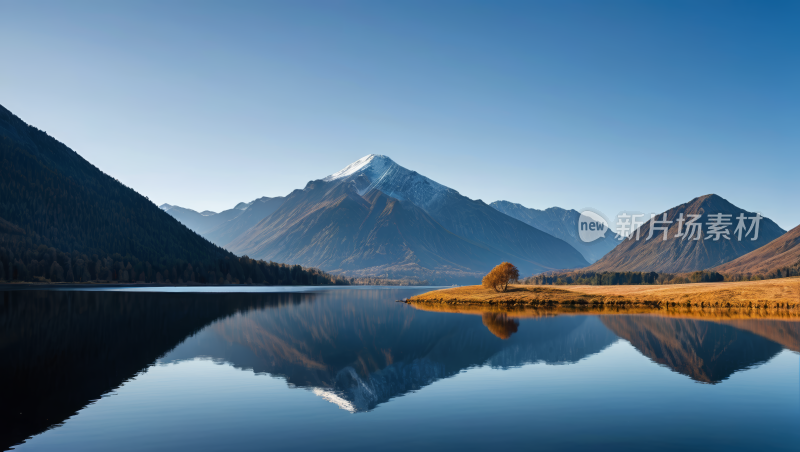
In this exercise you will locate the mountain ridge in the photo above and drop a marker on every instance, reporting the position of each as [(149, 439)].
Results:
[(560, 223), (202, 222), (252, 214)]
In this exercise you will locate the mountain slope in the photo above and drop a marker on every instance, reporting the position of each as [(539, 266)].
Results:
[(329, 225), (375, 216), (779, 253), (49, 190), (525, 245), (560, 223), (471, 219), (676, 255), (253, 213), (65, 220)]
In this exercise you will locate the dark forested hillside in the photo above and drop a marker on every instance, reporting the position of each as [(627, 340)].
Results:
[(63, 219)]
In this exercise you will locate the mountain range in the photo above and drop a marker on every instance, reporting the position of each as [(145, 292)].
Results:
[(62, 219), (200, 222), (375, 217), (221, 228)]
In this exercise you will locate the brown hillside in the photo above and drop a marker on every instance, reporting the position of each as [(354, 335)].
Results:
[(676, 255), (779, 253)]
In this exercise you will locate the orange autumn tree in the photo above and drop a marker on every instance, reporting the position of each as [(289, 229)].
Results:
[(500, 276)]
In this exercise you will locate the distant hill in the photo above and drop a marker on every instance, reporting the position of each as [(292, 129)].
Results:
[(202, 222), (375, 217), (560, 223), (65, 220), (779, 253), (221, 228), (253, 212), (676, 255)]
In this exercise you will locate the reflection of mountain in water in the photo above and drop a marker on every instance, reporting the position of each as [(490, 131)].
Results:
[(60, 351), (589, 338), (359, 353), (708, 352), (783, 332)]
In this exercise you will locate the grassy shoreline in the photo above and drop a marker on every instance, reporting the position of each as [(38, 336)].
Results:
[(767, 294)]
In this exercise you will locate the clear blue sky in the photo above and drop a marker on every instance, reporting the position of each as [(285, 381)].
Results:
[(636, 105)]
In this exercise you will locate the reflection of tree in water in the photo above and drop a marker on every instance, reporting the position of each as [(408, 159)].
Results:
[(500, 324)]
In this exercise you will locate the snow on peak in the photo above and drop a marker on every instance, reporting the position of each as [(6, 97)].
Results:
[(369, 161), (334, 398), (392, 179)]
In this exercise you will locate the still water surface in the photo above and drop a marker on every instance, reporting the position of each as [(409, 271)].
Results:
[(346, 368)]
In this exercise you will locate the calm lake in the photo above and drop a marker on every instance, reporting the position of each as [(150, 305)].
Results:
[(349, 368)]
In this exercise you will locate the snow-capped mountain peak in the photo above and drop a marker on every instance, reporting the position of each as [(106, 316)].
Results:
[(369, 163), (384, 174)]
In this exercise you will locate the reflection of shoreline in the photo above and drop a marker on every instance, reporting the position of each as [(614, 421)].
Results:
[(674, 312), (780, 326)]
